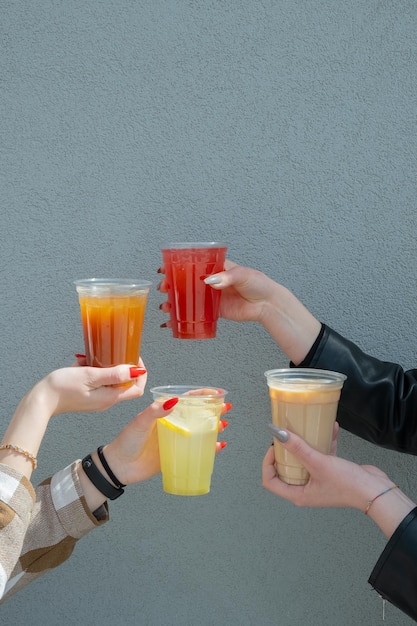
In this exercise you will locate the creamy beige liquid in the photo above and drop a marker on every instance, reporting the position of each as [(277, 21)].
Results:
[(310, 413)]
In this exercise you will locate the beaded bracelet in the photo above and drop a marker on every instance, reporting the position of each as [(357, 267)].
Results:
[(370, 502), (18, 450)]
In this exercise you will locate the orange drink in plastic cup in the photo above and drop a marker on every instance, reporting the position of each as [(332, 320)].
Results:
[(112, 315)]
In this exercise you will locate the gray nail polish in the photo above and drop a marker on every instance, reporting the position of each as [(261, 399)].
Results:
[(279, 433), (213, 280)]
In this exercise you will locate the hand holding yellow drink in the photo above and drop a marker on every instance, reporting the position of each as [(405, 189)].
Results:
[(187, 437)]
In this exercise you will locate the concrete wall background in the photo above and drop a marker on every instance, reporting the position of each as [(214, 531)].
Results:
[(287, 129)]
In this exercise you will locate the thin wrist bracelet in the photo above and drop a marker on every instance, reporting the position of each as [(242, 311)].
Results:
[(370, 502), (30, 457), (107, 468), (107, 489)]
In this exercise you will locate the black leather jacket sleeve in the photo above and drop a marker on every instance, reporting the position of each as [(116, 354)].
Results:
[(379, 404), (395, 573), (378, 400)]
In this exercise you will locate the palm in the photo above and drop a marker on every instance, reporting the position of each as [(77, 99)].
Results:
[(243, 300)]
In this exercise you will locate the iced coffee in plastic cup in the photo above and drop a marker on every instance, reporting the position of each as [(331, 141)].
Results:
[(303, 401)]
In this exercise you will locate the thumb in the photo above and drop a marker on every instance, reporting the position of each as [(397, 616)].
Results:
[(296, 446), (221, 280)]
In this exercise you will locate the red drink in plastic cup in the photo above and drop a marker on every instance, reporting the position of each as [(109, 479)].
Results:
[(194, 306)]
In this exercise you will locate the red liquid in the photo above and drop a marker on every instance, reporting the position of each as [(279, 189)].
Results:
[(194, 305)]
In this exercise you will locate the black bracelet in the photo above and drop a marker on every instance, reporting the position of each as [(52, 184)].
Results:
[(98, 480), (107, 468)]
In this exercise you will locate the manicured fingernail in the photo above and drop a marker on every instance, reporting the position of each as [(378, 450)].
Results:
[(137, 371), (213, 280), (79, 356), (159, 270), (228, 406), (279, 433), (224, 423), (168, 404), (164, 325), (223, 444)]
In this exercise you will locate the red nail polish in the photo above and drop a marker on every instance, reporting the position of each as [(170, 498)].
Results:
[(223, 444), (225, 423), (168, 404), (137, 371), (228, 406), (79, 356)]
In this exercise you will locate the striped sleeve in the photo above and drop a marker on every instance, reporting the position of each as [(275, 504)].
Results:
[(59, 517), (16, 503)]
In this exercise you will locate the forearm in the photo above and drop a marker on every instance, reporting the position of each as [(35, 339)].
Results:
[(289, 323), (26, 430)]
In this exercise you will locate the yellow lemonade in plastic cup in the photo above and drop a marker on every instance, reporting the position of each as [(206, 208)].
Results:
[(187, 437)]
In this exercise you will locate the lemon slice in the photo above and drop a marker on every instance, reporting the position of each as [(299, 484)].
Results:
[(175, 427)]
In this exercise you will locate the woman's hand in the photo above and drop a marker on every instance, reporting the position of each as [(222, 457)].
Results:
[(335, 482), (249, 295), (133, 455), (245, 292), (70, 389), (87, 389)]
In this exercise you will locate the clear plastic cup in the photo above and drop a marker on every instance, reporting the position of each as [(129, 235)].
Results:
[(303, 401), (194, 306), (187, 437), (112, 315)]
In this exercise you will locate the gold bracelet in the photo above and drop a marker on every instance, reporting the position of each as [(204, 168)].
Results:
[(18, 450), (370, 502)]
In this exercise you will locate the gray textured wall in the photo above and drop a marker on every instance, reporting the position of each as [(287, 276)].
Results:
[(285, 128)]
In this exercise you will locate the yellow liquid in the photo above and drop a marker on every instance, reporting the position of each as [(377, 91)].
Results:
[(187, 445)]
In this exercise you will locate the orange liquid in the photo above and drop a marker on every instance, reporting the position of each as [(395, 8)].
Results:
[(112, 328)]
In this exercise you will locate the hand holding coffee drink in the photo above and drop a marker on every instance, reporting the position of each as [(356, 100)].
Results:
[(303, 401)]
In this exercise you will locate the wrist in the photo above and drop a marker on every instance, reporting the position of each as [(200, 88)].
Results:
[(389, 509), (93, 496), (118, 468), (40, 400), (25, 432), (290, 324)]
